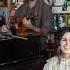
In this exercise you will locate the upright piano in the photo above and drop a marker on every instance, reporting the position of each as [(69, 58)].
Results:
[(14, 49)]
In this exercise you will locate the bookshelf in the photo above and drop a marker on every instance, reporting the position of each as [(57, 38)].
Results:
[(61, 14)]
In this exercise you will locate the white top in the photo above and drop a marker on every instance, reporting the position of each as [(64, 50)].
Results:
[(53, 64)]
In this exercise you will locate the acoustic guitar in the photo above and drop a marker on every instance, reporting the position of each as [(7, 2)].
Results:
[(21, 30)]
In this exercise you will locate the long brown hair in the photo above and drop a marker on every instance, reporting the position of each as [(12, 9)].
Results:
[(59, 35)]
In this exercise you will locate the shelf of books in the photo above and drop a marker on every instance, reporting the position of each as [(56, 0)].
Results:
[(61, 13)]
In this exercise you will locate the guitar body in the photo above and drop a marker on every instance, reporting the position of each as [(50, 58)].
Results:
[(21, 30)]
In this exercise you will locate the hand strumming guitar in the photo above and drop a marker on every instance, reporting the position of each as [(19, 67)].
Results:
[(28, 24)]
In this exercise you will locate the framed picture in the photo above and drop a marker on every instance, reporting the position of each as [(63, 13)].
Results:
[(68, 19), (3, 3), (59, 20), (4, 14)]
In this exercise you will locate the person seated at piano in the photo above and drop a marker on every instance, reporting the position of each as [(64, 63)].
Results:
[(41, 21), (35, 18)]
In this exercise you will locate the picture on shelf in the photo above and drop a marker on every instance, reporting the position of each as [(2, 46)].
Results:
[(59, 20), (3, 3), (68, 20)]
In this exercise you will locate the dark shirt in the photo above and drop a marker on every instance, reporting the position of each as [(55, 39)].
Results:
[(21, 10), (33, 13), (40, 15), (46, 17)]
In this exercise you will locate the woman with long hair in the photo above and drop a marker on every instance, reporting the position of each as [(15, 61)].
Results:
[(62, 60)]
